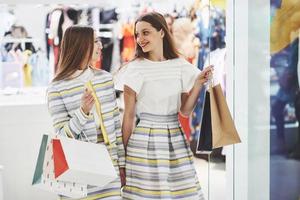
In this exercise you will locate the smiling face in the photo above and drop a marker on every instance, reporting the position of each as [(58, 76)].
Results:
[(97, 49), (147, 37)]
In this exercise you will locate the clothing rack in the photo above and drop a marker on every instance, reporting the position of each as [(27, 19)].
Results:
[(18, 40), (106, 30), (106, 26)]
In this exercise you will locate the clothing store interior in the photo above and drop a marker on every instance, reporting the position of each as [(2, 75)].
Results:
[(255, 55)]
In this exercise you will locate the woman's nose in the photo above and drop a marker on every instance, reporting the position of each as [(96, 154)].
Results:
[(140, 40)]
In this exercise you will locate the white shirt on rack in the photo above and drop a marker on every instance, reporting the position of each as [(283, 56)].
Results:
[(158, 85)]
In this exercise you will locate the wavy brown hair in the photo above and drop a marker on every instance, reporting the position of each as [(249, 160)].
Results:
[(159, 23), (76, 50)]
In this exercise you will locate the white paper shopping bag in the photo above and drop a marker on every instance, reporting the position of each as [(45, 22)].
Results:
[(82, 162), (44, 174)]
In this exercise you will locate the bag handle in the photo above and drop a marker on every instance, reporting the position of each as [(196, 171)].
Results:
[(66, 135), (210, 82), (89, 85)]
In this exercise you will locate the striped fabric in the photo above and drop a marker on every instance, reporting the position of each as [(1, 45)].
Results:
[(64, 98), (159, 162)]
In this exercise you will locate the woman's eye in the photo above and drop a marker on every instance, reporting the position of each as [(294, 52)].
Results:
[(146, 33)]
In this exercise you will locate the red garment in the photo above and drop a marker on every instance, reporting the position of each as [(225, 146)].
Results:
[(185, 124), (128, 42), (185, 121), (55, 52)]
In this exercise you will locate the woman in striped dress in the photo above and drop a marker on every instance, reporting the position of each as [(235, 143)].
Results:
[(157, 85), (72, 105)]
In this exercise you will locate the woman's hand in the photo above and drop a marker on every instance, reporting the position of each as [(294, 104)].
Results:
[(204, 76), (87, 101), (122, 176)]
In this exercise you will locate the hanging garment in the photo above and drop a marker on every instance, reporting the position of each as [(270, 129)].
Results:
[(107, 52), (128, 47)]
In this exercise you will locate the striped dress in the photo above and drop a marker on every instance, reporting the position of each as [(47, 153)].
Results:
[(64, 99), (159, 162)]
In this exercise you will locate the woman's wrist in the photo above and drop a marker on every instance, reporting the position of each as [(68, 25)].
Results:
[(84, 111), (198, 84)]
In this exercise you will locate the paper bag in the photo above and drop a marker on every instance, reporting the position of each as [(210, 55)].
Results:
[(217, 126)]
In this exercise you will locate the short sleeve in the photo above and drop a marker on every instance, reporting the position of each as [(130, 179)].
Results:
[(130, 77), (189, 74)]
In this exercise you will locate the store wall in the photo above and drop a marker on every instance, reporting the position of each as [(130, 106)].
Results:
[(22, 126)]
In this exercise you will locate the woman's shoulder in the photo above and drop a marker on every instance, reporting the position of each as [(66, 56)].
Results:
[(181, 61), (131, 66), (55, 85), (134, 64), (102, 74)]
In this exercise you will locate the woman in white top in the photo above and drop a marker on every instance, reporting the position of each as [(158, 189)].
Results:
[(157, 85), (72, 105)]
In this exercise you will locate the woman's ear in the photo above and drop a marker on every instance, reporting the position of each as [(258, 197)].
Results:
[(162, 33)]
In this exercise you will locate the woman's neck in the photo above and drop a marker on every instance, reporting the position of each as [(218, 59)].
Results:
[(157, 55)]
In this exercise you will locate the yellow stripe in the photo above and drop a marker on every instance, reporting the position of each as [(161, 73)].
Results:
[(175, 130), (53, 94), (99, 85), (108, 114), (163, 192), (147, 161), (76, 89), (98, 110), (63, 92)]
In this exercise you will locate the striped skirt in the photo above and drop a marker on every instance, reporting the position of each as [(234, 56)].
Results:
[(159, 161)]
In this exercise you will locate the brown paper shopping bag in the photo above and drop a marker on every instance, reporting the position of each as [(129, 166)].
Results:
[(217, 126)]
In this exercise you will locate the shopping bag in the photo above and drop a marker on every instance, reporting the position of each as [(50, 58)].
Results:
[(217, 126), (43, 177), (82, 162)]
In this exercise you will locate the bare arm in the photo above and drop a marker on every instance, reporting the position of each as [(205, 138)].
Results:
[(188, 100), (129, 114)]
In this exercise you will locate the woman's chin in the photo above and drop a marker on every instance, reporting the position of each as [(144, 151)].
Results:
[(146, 50)]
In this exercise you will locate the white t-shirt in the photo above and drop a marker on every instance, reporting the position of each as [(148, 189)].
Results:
[(158, 85)]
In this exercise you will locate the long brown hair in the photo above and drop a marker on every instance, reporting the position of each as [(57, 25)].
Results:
[(159, 23), (76, 48)]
